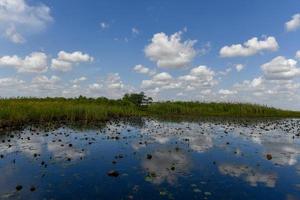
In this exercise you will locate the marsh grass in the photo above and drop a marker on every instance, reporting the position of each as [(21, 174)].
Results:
[(20, 111)]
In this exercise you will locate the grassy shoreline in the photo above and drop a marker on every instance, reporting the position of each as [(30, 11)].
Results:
[(19, 111)]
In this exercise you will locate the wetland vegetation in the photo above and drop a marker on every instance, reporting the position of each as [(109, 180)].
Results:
[(19, 111)]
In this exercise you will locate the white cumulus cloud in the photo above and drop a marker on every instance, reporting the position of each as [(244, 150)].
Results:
[(143, 70), (78, 80), (281, 68), (12, 34), (64, 61), (250, 47), (227, 92), (10, 81), (239, 67), (294, 23), (18, 17), (36, 62), (199, 79), (164, 76), (170, 51), (42, 85), (297, 55)]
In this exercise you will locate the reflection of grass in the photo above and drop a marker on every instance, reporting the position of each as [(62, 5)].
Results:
[(27, 110)]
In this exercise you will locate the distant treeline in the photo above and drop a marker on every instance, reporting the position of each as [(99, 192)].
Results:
[(24, 110)]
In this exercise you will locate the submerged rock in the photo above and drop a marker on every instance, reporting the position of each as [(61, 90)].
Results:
[(32, 189), (113, 173), (149, 156), (269, 156), (19, 187)]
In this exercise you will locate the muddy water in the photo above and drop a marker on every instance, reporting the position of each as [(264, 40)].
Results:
[(149, 159)]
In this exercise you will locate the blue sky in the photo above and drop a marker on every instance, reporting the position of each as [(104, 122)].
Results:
[(211, 50)]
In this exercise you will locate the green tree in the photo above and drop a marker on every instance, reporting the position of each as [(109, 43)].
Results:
[(138, 99)]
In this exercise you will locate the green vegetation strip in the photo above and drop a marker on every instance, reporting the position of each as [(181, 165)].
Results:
[(19, 111)]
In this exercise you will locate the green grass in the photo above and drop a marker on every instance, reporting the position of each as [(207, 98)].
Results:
[(21, 111)]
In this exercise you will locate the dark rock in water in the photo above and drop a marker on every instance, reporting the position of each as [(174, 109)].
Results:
[(70, 145), (172, 168), (113, 173), (269, 156), (1, 156), (32, 189), (149, 156), (120, 156), (19, 187)]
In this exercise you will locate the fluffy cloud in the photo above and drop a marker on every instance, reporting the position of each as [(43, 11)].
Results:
[(45, 80), (164, 76), (202, 71), (280, 68), (283, 93), (227, 92), (36, 62), (64, 61), (294, 23), (111, 86), (256, 82), (60, 65), (95, 87), (76, 56), (9, 81), (250, 47), (78, 80), (159, 80), (200, 79), (239, 67), (12, 87), (297, 55), (143, 70), (17, 16), (254, 86), (42, 85), (12, 34), (113, 81), (170, 51)]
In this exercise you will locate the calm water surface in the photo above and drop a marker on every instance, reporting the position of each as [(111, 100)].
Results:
[(149, 159)]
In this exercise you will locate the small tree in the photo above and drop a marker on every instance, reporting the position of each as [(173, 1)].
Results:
[(138, 99)]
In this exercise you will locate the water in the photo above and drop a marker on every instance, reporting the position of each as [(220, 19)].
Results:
[(149, 159)]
